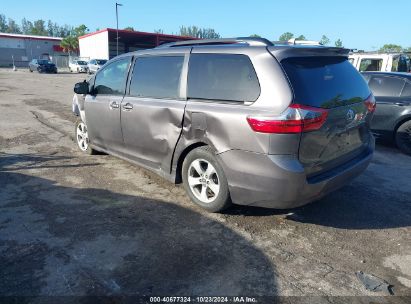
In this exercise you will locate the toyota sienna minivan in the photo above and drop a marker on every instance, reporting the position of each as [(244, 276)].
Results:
[(241, 121)]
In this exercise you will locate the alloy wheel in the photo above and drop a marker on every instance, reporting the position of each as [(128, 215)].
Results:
[(203, 180), (82, 136)]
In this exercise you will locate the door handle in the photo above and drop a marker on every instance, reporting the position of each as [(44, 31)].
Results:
[(128, 106), (114, 105), (400, 103)]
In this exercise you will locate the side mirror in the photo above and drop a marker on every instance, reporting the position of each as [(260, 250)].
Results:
[(81, 88)]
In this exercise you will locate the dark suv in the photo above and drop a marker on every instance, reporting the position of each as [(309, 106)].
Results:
[(235, 120), (42, 66)]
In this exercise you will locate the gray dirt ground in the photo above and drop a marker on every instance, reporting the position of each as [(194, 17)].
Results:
[(72, 224)]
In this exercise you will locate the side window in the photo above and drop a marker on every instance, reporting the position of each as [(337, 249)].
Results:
[(386, 86), (406, 92), (400, 64), (157, 77), (224, 77), (370, 65), (112, 79)]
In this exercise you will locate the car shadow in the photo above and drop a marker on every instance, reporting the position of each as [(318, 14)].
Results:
[(15, 162), (62, 240)]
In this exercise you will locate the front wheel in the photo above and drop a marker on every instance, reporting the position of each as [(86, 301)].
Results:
[(403, 137), (204, 180), (82, 138)]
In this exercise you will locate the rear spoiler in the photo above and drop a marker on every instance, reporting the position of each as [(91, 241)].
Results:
[(283, 52)]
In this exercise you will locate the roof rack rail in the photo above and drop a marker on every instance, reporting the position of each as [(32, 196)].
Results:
[(303, 42), (251, 41)]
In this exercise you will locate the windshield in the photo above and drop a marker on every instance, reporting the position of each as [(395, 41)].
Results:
[(81, 62), (44, 62), (101, 62)]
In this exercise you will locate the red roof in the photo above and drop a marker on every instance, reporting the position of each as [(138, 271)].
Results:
[(137, 33)]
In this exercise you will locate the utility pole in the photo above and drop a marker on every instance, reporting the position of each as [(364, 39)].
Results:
[(117, 5)]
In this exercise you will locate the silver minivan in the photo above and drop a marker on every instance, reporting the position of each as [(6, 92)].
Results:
[(241, 121)]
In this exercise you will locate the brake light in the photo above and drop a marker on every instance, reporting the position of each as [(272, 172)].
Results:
[(295, 119), (370, 103)]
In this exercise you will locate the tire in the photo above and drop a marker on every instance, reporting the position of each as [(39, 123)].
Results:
[(81, 137), (208, 186), (403, 137)]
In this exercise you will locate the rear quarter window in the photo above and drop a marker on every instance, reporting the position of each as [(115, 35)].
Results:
[(222, 77), (325, 82)]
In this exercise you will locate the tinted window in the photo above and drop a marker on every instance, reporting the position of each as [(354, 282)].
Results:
[(157, 76), (370, 65), (400, 64), (112, 79), (406, 92), (325, 81), (222, 77), (386, 86)]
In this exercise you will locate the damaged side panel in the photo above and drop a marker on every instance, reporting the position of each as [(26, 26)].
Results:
[(151, 130)]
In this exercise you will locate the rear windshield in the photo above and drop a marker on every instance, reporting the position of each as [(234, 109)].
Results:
[(101, 62), (325, 82)]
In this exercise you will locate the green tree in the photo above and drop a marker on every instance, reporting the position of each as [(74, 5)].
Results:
[(129, 28), (339, 43), (390, 48), (69, 44), (196, 32), (159, 31), (301, 37), (3, 23), (39, 28), (26, 26), (255, 36), (81, 30), (286, 36), (13, 27), (325, 40)]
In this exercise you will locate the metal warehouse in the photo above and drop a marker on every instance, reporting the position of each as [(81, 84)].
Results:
[(103, 44), (24, 48)]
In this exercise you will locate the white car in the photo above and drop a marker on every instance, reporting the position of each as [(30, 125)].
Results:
[(380, 62), (78, 66), (95, 64)]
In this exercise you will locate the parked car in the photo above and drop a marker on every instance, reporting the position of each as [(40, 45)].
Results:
[(235, 120), (42, 66), (79, 66), (383, 62), (392, 118), (95, 64)]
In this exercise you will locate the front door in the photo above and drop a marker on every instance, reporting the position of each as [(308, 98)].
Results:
[(152, 111), (102, 107)]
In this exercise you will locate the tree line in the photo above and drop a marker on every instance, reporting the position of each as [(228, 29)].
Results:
[(70, 34)]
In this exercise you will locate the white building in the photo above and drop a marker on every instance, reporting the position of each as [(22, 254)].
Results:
[(102, 44)]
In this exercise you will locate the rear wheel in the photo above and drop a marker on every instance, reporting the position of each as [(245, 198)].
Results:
[(204, 180), (82, 138), (403, 137)]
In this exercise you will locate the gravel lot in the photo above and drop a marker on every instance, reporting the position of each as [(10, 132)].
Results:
[(72, 224)]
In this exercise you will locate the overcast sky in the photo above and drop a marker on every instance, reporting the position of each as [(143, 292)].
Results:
[(362, 24)]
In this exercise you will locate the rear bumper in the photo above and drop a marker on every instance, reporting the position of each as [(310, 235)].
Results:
[(279, 181)]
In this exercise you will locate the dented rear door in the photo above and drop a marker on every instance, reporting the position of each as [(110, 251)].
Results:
[(152, 112)]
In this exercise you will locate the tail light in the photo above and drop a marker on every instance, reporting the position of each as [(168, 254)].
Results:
[(295, 119), (370, 103)]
